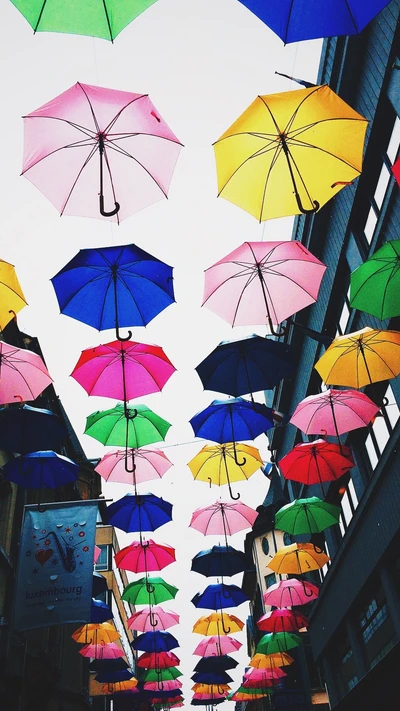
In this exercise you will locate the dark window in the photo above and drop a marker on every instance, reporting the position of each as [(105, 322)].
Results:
[(376, 630), (265, 545), (103, 561), (343, 665), (270, 580)]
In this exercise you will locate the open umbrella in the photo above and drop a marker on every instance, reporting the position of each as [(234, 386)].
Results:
[(158, 660), (148, 464), (122, 133), (104, 19), (23, 374), (12, 299), (112, 287), (169, 674), (143, 512), (116, 687), (213, 663), (100, 612), (217, 645), (95, 634), (148, 591), (290, 153), (361, 358), (258, 675), (113, 676), (144, 556), (155, 641), (219, 464), (290, 593), (211, 677), (375, 285), (210, 688), (273, 642), (170, 685), (271, 661), (223, 518), (219, 597), (218, 623), (316, 462), (282, 620), (309, 515), (297, 559), (27, 429), (102, 651), (99, 584), (221, 561), (41, 470), (149, 617), (106, 665)]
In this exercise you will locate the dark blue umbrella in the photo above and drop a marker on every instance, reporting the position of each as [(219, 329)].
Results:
[(138, 513), (106, 665), (100, 612), (219, 597), (220, 663), (26, 429), (216, 677), (41, 470), (220, 561), (155, 641), (108, 677), (246, 366), (111, 287), (299, 20), (207, 702), (99, 584)]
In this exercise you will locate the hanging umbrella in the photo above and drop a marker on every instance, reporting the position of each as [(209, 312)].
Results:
[(99, 584), (23, 374), (246, 366), (205, 700), (12, 299), (148, 464), (100, 19), (106, 665), (223, 518), (218, 623), (113, 676), (121, 132), (121, 425), (271, 661), (41, 470), (217, 645), (144, 512), (334, 412), (27, 429), (258, 675), (119, 686), (210, 688), (100, 612), (282, 620), (297, 559), (219, 597), (361, 358), (159, 660), (216, 464), (148, 591), (243, 694), (155, 641), (171, 685), (220, 560), (375, 285), (316, 462), (216, 677), (169, 674), (142, 557), (95, 634), (150, 617), (289, 593), (306, 516), (290, 153), (213, 663), (102, 651), (273, 642)]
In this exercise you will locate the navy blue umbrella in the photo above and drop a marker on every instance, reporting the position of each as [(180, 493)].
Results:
[(106, 665), (108, 677), (311, 19), (219, 597), (155, 641), (100, 612), (99, 584), (220, 561), (217, 677), (137, 513), (111, 287), (212, 663), (41, 470), (246, 366), (26, 429), (207, 702)]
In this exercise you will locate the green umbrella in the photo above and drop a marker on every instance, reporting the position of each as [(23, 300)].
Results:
[(128, 426), (306, 516), (273, 642), (375, 285), (258, 691), (95, 18), (162, 674), (149, 590)]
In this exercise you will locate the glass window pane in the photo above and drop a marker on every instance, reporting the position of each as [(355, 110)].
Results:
[(102, 560), (370, 224), (381, 187), (392, 408), (393, 146), (372, 455)]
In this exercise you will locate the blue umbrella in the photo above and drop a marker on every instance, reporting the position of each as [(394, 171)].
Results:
[(220, 561), (220, 663), (207, 702), (219, 597), (155, 641), (217, 677), (299, 20), (106, 665), (41, 470), (100, 612), (111, 287), (99, 585), (137, 513), (246, 366), (26, 429), (108, 677)]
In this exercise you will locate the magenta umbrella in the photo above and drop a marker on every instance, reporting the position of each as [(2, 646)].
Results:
[(223, 518), (144, 556), (334, 412), (264, 674), (263, 282), (149, 464), (167, 685), (217, 646), (23, 375), (289, 593), (102, 651), (155, 616), (91, 148)]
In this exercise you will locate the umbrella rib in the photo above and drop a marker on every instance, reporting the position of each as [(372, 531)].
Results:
[(77, 144), (118, 114), (118, 149), (256, 154), (88, 158), (111, 182), (386, 266), (273, 163), (83, 129), (304, 144), (90, 106), (295, 132), (12, 367), (296, 111), (241, 295)]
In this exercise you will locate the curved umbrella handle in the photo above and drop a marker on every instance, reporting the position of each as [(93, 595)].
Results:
[(227, 629), (240, 464), (160, 685), (220, 690), (231, 494), (225, 594), (150, 588), (280, 333), (152, 620), (303, 209), (111, 213), (122, 338), (127, 469), (307, 594)]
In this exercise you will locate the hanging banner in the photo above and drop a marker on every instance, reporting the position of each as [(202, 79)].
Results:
[(55, 566)]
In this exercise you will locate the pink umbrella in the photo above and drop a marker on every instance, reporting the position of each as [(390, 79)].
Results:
[(149, 617), (90, 147), (264, 674), (334, 412), (23, 375), (144, 556), (149, 464), (123, 370), (215, 646), (102, 651), (263, 282), (223, 518), (289, 593), (167, 685)]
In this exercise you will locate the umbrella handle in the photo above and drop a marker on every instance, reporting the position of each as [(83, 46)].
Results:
[(231, 494), (280, 333), (118, 333), (160, 686), (303, 209), (220, 690), (228, 629), (310, 594), (153, 620), (111, 213), (240, 464), (150, 588)]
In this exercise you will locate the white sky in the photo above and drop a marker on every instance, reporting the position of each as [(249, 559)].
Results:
[(202, 62)]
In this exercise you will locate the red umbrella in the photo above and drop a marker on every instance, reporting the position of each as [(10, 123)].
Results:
[(144, 556), (158, 660), (282, 621), (316, 462), (396, 170), (288, 593)]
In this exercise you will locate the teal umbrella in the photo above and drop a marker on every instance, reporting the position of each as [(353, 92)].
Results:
[(375, 285), (273, 642), (306, 516)]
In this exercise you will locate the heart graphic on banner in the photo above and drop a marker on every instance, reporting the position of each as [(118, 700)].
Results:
[(43, 555)]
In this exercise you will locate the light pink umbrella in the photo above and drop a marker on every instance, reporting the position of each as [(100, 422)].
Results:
[(102, 651), (99, 152), (264, 674), (223, 518), (144, 556), (23, 375), (215, 646), (149, 464), (167, 685), (334, 412), (262, 282), (289, 593), (148, 618)]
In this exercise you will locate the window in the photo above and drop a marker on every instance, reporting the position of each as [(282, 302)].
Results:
[(381, 430), (270, 580), (103, 559), (348, 504), (265, 545), (344, 667), (376, 628)]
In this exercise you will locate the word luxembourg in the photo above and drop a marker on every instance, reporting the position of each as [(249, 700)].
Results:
[(73, 589)]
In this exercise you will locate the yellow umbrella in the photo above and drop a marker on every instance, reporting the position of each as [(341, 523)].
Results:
[(297, 559), (361, 358), (218, 623), (12, 299), (217, 464), (211, 689), (114, 687), (93, 633), (290, 153), (271, 661)]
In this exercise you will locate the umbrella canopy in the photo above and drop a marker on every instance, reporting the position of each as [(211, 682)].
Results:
[(106, 665), (23, 374), (171, 685), (299, 20), (141, 557), (223, 518), (290, 153), (297, 559), (102, 651), (220, 560), (289, 593), (91, 149), (282, 620), (150, 617), (273, 642), (105, 20), (361, 358), (271, 661), (162, 675), (148, 463), (99, 584), (144, 512), (262, 282), (124, 425), (119, 686), (158, 660), (96, 634), (334, 412), (307, 516), (260, 675), (231, 420), (41, 470), (100, 612), (12, 299), (216, 464), (27, 429), (218, 623), (220, 596), (149, 591), (206, 700), (375, 285), (216, 677), (155, 641), (217, 646), (246, 366), (112, 676), (210, 689), (315, 462), (213, 663)]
